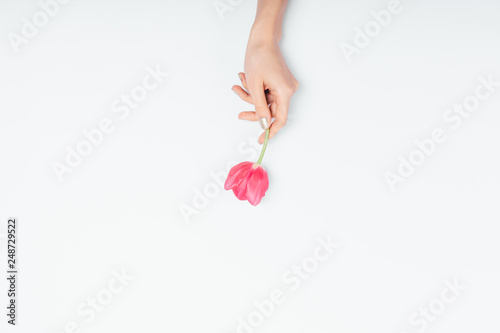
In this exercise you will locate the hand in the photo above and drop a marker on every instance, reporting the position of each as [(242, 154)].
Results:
[(269, 83)]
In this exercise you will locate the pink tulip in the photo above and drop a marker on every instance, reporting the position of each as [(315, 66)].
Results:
[(249, 180)]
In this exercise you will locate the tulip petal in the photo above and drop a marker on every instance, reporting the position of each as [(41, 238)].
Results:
[(237, 174), (240, 192), (257, 185)]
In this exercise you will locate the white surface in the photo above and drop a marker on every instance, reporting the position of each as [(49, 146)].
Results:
[(120, 209)]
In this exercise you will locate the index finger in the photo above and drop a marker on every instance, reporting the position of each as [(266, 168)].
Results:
[(258, 94), (280, 119)]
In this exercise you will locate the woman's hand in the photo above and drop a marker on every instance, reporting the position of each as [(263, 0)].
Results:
[(269, 82)]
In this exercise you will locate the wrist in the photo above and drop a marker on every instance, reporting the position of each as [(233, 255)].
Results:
[(265, 33)]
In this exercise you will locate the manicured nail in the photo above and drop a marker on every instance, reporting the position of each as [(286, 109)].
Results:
[(263, 123), (240, 76)]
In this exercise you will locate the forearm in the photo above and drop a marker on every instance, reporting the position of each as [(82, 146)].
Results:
[(268, 21)]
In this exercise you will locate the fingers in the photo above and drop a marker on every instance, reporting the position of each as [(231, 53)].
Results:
[(281, 118), (242, 94), (274, 128), (248, 115), (268, 104), (273, 110), (260, 103), (243, 80)]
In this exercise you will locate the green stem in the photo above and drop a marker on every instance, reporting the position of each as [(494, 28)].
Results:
[(264, 147)]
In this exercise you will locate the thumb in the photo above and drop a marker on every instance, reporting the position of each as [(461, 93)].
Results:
[(261, 109)]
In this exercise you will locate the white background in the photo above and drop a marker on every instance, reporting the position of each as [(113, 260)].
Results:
[(349, 122)]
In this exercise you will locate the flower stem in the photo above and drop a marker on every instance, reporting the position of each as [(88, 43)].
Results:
[(264, 147)]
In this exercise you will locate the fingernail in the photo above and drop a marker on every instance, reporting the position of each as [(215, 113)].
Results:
[(263, 123), (240, 76)]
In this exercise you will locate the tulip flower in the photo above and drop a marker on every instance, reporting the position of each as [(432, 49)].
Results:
[(249, 180)]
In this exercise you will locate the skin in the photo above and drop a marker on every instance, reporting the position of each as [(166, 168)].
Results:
[(267, 82)]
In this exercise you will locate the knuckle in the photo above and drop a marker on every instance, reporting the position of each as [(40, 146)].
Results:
[(281, 122), (291, 88), (288, 90)]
